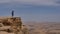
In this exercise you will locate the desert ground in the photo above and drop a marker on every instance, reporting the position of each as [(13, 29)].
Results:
[(40, 28), (44, 27)]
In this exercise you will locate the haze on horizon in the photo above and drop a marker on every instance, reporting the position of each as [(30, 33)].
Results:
[(32, 10)]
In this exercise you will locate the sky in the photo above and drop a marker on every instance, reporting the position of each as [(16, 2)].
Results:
[(32, 10)]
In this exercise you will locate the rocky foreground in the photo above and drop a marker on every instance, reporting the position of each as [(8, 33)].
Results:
[(40, 28)]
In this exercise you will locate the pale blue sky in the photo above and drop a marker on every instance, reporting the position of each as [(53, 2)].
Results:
[(32, 10)]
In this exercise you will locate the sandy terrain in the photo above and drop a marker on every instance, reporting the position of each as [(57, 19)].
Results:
[(42, 28), (39, 28)]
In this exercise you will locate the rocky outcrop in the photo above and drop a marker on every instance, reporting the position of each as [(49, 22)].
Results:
[(15, 24)]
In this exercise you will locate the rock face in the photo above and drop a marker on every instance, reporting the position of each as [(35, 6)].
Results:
[(11, 20), (14, 24)]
